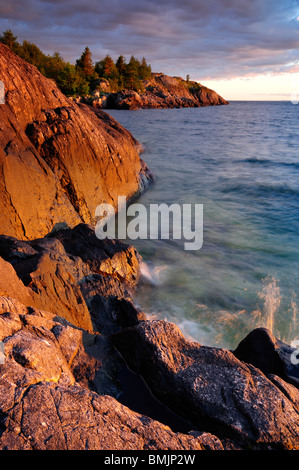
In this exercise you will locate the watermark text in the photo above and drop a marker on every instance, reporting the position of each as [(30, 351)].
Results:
[(2, 93), (155, 222), (295, 353), (2, 353)]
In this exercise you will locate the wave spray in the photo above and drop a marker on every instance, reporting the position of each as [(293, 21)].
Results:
[(270, 294)]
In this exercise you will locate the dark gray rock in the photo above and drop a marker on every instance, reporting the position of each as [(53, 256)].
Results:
[(261, 349), (211, 387)]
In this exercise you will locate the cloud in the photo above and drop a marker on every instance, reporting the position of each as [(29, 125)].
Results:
[(204, 39)]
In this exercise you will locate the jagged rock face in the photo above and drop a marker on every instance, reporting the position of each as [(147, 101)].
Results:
[(58, 159), (162, 91), (212, 388), (74, 275)]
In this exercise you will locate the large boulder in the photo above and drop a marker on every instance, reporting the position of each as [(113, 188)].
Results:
[(73, 274), (58, 159), (212, 388), (272, 356)]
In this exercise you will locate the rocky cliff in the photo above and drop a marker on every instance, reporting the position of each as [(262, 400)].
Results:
[(58, 160), (161, 91)]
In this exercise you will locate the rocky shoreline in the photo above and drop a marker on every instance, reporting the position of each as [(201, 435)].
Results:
[(159, 92), (81, 368)]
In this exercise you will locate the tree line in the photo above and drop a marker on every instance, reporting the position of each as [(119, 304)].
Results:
[(83, 77)]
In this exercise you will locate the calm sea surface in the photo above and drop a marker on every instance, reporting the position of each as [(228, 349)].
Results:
[(242, 163)]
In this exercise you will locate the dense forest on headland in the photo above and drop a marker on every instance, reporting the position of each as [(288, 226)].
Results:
[(81, 78)]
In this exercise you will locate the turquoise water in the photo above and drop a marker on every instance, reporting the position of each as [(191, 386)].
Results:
[(242, 163)]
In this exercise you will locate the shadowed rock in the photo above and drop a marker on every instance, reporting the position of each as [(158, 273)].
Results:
[(261, 349), (211, 387), (75, 275)]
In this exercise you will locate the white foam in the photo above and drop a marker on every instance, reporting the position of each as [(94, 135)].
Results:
[(155, 275)]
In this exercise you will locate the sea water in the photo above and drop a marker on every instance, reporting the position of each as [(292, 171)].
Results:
[(241, 162)]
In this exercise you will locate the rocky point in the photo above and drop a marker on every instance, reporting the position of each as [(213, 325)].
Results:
[(160, 91)]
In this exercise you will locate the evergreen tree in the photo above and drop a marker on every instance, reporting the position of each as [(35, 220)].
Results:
[(10, 41), (145, 70), (121, 65), (106, 68), (85, 63), (32, 54), (82, 77), (132, 74), (121, 69), (54, 65), (72, 82)]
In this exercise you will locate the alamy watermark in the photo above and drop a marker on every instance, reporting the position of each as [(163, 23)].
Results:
[(155, 222), (295, 92), (2, 353), (295, 353), (2, 93)]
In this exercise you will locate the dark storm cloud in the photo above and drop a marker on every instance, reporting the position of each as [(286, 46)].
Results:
[(203, 38)]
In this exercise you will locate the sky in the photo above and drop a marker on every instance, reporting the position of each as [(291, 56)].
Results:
[(243, 49)]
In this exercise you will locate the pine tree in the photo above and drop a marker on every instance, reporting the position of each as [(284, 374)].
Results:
[(85, 63), (71, 81), (145, 70), (54, 65), (132, 72), (121, 65), (10, 40), (109, 68), (32, 54)]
